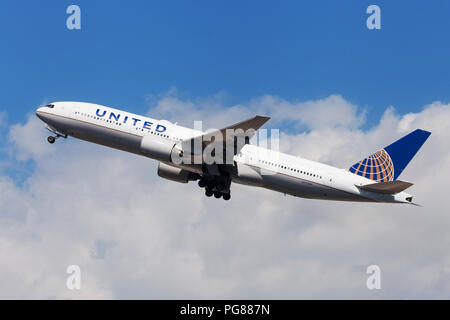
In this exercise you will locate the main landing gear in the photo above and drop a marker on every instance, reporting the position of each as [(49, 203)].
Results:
[(216, 188)]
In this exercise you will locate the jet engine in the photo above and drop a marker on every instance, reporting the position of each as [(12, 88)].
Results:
[(158, 148), (175, 174)]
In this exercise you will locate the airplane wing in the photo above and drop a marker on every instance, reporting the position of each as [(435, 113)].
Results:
[(245, 130), (389, 187)]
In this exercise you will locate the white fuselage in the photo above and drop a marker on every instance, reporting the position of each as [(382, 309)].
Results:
[(256, 166)]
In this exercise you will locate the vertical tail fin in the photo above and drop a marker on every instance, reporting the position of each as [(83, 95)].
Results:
[(388, 163)]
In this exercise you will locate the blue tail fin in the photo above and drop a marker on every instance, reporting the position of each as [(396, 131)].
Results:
[(388, 163)]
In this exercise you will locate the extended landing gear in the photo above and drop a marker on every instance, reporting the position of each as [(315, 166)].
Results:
[(216, 180), (209, 192), (52, 139), (217, 194), (218, 189), (57, 134)]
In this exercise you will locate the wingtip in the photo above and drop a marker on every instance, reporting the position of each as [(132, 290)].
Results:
[(265, 118)]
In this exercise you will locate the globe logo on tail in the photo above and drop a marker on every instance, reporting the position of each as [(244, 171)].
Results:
[(378, 167)]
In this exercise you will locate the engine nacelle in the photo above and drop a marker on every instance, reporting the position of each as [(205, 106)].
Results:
[(173, 173), (157, 148)]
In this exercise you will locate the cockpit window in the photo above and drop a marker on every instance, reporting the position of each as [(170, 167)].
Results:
[(50, 106)]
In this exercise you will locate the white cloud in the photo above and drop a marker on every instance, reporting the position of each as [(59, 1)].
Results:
[(135, 235), (26, 139), (333, 111)]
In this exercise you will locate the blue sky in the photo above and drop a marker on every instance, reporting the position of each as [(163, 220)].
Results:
[(297, 50), (107, 211)]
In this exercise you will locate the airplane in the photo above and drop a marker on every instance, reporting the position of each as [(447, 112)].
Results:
[(180, 152)]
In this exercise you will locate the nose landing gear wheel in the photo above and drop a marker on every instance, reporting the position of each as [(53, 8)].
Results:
[(51, 140)]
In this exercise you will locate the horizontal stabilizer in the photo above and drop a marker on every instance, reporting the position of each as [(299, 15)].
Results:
[(389, 187)]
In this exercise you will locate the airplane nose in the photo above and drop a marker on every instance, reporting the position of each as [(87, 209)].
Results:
[(40, 113)]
